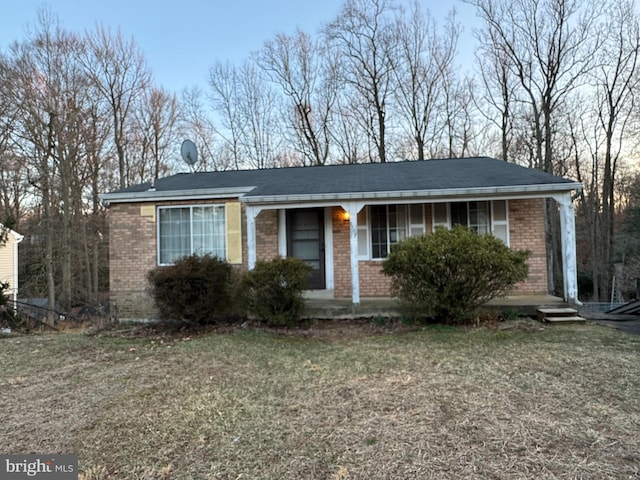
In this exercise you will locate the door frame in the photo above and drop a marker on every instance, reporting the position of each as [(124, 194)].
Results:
[(322, 245)]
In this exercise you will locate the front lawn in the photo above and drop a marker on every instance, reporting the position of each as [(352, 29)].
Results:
[(439, 403)]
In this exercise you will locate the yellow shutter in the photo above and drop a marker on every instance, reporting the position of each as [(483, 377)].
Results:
[(148, 211), (234, 232)]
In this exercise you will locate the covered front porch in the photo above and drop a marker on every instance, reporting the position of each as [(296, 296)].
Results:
[(343, 239)]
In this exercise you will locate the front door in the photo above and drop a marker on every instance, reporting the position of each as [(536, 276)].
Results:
[(305, 240)]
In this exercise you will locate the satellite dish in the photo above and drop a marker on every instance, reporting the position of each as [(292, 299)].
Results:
[(189, 152)]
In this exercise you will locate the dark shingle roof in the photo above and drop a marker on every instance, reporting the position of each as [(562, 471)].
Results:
[(408, 176)]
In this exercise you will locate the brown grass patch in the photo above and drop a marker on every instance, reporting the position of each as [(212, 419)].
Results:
[(437, 403)]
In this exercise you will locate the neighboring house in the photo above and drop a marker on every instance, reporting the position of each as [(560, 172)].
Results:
[(340, 219), (9, 263)]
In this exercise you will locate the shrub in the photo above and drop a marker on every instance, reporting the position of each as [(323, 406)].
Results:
[(451, 273), (273, 290), (6, 312), (196, 290)]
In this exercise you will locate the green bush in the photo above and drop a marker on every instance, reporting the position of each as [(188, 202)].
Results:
[(448, 275), (196, 290), (273, 290)]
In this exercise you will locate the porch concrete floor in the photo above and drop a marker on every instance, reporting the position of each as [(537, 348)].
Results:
[(320, 304)]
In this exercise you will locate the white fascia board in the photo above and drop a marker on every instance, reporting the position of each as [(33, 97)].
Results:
[(164, 196), (506, 192), (16, 236)]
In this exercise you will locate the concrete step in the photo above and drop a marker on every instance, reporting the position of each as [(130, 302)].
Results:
[(559, 315), (573, 319)]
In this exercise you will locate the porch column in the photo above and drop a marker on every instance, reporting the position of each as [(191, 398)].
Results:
[(568, 237), (352, 208), (252, 213)]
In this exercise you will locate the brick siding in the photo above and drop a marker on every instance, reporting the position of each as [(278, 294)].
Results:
[(266, 235), (526, 232), (133, 252)]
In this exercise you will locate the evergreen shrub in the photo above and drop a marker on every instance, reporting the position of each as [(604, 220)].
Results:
[(450, 274)]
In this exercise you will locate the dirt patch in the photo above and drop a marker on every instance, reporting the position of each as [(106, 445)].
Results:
[(321, 328)]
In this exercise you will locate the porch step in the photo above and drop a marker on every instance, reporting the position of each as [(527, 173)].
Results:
[(559, 315)]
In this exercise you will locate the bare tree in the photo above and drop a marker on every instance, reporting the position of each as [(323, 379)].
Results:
[(362, 33), (12, 164), (37, 91), (118, 69), (604, 130), (499, 88), (247, 107), (262, 130), (154, 134), (299, 65), (550, 47), (198, 126), (224, 81), (100, 174), (58, 145), (421, 68), (347, 134)]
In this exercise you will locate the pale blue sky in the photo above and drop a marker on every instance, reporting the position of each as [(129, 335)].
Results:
[(182, 40)]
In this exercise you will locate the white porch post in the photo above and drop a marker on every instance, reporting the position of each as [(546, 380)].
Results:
[(252, 213), (282, 232), (568, 237), (352, 208)]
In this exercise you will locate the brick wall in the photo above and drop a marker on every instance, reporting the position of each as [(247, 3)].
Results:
[(341, 255), (132, 253), (372, 282), (266, 235), (526, 232)]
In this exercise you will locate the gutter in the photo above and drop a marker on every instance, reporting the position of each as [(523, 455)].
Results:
[(152, 195), (508, 191)]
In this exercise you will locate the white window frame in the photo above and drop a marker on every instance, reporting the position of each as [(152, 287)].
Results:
[(492, 222), (410, 227), (501, 223), (191, 208), (417, 228)]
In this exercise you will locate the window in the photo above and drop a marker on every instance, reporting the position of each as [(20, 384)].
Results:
[(474, 215), (482, 217), (387, 225), (500, 220), (190, 230), (382, 226)]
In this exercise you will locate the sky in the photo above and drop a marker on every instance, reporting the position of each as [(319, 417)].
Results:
[(182, 40)]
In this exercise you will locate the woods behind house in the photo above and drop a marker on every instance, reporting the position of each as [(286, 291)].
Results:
[(553, 86)]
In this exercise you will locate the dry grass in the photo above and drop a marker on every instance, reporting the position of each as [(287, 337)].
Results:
[(440, 403)]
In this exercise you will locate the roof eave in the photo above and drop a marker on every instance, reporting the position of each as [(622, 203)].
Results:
[(16, 236), (539, 190), (153, 195)]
